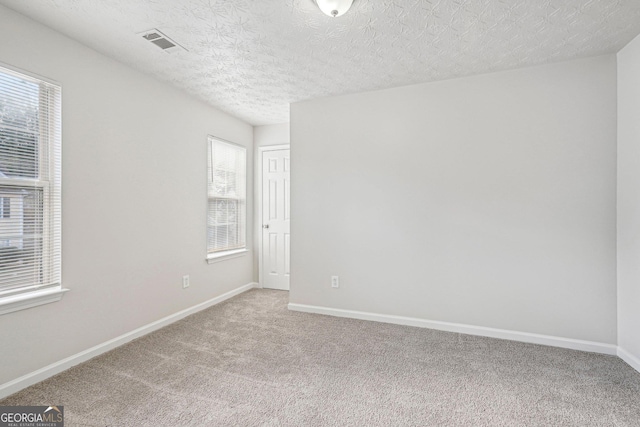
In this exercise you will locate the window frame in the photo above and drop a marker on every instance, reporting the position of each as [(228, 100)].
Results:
[(50, 137), (237, 251)]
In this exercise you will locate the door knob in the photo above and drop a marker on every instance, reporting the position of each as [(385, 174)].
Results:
[(265, 226)]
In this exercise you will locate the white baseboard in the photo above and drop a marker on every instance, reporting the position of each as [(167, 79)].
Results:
[(24, 381), (633, 361), (595, 347)]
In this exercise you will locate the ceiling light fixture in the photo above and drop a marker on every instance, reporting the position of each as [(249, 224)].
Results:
[(334, 8)]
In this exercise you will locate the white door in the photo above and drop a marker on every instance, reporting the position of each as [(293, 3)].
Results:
[(275, 219)]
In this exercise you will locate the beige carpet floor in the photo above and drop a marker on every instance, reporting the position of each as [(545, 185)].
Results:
[(251, 362)]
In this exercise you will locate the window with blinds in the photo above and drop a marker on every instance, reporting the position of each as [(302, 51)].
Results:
[(30, 145), (227, 179)]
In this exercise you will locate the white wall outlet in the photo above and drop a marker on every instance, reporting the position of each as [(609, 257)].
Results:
[(185, 281), (335, 283)]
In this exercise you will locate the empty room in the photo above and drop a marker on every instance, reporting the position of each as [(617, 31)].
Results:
[(319, 213)]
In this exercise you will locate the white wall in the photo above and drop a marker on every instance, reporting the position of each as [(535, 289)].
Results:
[(265, 135), (134, 200), (487, 200), (271, 134), (629, 199)]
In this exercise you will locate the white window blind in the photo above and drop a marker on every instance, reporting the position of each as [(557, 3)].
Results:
[(30, 145), (227, 179)]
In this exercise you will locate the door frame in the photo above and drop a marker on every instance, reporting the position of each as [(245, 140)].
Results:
[(258, 199)]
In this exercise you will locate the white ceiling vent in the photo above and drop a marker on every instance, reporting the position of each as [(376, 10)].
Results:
[(162, 41)]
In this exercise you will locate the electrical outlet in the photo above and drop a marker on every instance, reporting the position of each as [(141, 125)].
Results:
[(335, 283), (185, 281)]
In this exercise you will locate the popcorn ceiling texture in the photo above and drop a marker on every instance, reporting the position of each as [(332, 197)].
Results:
[(251, 362), (251, 58)]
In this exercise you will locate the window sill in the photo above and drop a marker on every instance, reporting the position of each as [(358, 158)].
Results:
[(30, 299), (223, 256)]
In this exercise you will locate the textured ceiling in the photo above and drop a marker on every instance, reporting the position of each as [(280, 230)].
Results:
[(251, 58)]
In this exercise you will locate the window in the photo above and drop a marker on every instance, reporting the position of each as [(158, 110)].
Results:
[(227, 205), (5, 207), (30, 140)]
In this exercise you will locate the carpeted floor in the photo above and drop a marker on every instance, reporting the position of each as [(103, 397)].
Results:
[(251, 362)]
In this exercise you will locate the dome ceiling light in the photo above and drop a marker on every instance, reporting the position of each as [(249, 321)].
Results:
[(334, 8)]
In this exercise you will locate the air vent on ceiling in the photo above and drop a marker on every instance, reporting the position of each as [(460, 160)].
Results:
[(162, 41)]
